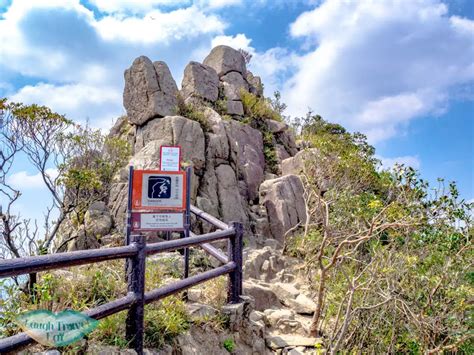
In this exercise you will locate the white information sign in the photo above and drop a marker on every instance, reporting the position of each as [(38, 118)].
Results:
[(161, 221), (170, 158)]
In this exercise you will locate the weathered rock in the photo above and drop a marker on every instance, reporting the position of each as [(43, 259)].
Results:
[(97, 220), (283, 340), (124, 130), (262, 264), (198, 310), (255, 84), (285, 292), (201, 81), (233, 83), (80, 240), (308, 162), (225, 59), (170, 130), (235, 108), (213, 118), (284, 202), (264, 297), (247, 153), (230, 203), (302, 304), (276, 126), (150, 91)]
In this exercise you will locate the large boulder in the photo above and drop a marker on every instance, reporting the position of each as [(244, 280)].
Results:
[(200, 81), (97, 220), (247, 155), (235, 107), (308, 162), (233, 83), (231, 205), (150, 91), (284, 203), (225, 59), (255, 84), (170, 130), (262, 294)]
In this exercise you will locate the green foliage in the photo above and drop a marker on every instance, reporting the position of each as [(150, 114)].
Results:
[(93, 286), (402, 248), (257, 108), (193, 113), (229, 345)]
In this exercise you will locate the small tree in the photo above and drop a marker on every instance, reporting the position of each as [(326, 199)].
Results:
[(383, 251), (84, 160)]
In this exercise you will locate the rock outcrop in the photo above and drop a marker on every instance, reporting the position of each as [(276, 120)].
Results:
[(200, 81), (233, 180), (150, 91), (283, 199)]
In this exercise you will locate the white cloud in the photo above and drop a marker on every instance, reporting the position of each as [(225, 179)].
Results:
[(22, 180), (157, 26), (133, 6), (376, 65), (240, 40), (77, 60), (407, 160), (78, 101), (217, 4)]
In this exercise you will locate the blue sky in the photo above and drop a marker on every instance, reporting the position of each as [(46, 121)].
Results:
[(400, 71)]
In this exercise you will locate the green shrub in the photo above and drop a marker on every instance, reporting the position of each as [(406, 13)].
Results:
[(193, 113), (258, 108), (229, 345)]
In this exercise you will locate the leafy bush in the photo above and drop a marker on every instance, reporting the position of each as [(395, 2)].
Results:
[(93, 286), (388, 256), (258, 108), (192, 112), (229, 345)]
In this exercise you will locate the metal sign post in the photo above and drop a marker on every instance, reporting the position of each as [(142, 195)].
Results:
[(129, 206), (187, 225)]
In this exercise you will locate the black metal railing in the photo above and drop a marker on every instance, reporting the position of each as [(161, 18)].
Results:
[(136, 253)]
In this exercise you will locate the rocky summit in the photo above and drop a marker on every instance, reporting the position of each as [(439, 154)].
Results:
[(243, 170)]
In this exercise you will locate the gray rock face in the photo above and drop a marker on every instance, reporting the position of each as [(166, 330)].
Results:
[(247, 152), (233, 83), (170, 130), (201, 81), (255, 84), (284, 202), (150, 91), (230, 202), (225, 59), (263, 295), (97, 220), (302, 304), (235, 108)]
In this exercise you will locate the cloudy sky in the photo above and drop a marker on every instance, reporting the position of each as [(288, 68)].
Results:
[(400, 71)]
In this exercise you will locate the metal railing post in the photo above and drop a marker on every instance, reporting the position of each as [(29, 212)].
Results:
[(136, 285), (235, 255)]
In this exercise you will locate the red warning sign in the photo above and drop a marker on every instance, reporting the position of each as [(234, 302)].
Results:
[(156, 190)]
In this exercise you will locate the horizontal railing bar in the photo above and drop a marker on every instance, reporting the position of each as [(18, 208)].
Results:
[(19, 266), (213, 251), (180, 285), (21, 340), (110, 308), (15, 342), (188, 242), (208, 218), (216, 253)]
